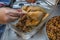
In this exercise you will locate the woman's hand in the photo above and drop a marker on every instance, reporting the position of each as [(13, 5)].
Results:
[(8, 15)]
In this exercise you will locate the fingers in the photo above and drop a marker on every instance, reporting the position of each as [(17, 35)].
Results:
[(9, 15), (11, 19), (14, 13)]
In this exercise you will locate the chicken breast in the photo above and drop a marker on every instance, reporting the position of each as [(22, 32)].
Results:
[(36, 15)]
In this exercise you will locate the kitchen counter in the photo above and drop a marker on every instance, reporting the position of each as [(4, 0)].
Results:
[(55, 10)]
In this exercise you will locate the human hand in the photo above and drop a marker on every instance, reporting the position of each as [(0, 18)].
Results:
[(8, 15)]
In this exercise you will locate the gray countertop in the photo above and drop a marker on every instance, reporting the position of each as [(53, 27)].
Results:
[(55, 10)]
